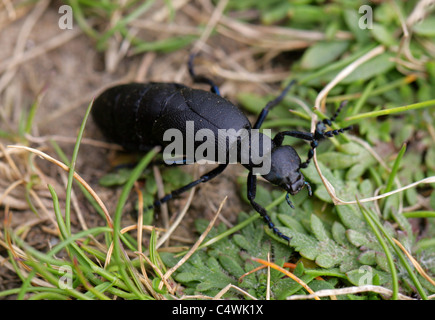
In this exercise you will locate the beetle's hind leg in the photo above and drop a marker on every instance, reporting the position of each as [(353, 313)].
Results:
[(201, 79), (204, 178), (178, 161)]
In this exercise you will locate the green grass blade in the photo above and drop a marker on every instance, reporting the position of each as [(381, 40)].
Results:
[(82, 234), (124, 21), (92, 292), (375, 225), (375, 92), (72, 168), (152, 248), (85, 192), (49, 296), (395, 169), (365, 94), (118, 253), (42, 270), (60, 222), (72, 248), (30, 289), (32, 112), (372, 222), (81, 20), (391, 111), (26, 284), (419, 214)]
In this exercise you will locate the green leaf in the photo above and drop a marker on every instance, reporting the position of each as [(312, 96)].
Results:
[(292, 223), (117, 178), (326, 260), (358, 239), (351, 18), (383, 35), (175, 178), (381, 261), (305, 244), (368, 257), (403, 223), (351, 217), (357, 158), (356, 171), (391, 204), (231, 265), (425, 27), (302, 13), (318, 229), (366, 276), (242, 242), (322, 53), (378, 65), (164, 45), (320, 191), (287, 286), (430, 158), (339, 233)]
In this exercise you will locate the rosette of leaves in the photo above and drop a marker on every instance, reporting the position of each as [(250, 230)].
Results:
[(333, 242), (209, 270)]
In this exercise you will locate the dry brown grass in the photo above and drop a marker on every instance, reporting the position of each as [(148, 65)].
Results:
[(37, 57), (63, 72)]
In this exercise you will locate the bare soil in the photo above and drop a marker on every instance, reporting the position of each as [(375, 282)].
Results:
[(70, 74)]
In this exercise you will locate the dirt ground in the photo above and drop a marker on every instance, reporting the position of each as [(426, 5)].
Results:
[(36, 56)]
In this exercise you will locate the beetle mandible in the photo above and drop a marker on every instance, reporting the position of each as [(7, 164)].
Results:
[(137, 115)]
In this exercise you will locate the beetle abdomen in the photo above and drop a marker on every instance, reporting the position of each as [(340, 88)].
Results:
[(137, 115), (126, 113)]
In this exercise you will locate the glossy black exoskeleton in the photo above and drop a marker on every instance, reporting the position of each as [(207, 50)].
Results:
[(137, 115)]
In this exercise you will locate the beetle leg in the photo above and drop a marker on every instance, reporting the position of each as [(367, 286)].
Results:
[(321, 125), (320, 133), (252, 190), (177, 162), (342, 104), (204, 178), (310, 192), (279, 137), (287, 198), (271, 104), (201, 79)]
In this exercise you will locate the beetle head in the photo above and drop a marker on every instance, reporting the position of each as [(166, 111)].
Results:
[(285, 169)]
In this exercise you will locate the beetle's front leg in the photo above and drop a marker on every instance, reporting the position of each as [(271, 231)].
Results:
[(321, 132), (252, 190), (270, 105), (279, 137)]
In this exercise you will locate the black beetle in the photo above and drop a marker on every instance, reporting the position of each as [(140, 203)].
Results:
[(137, 115)]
